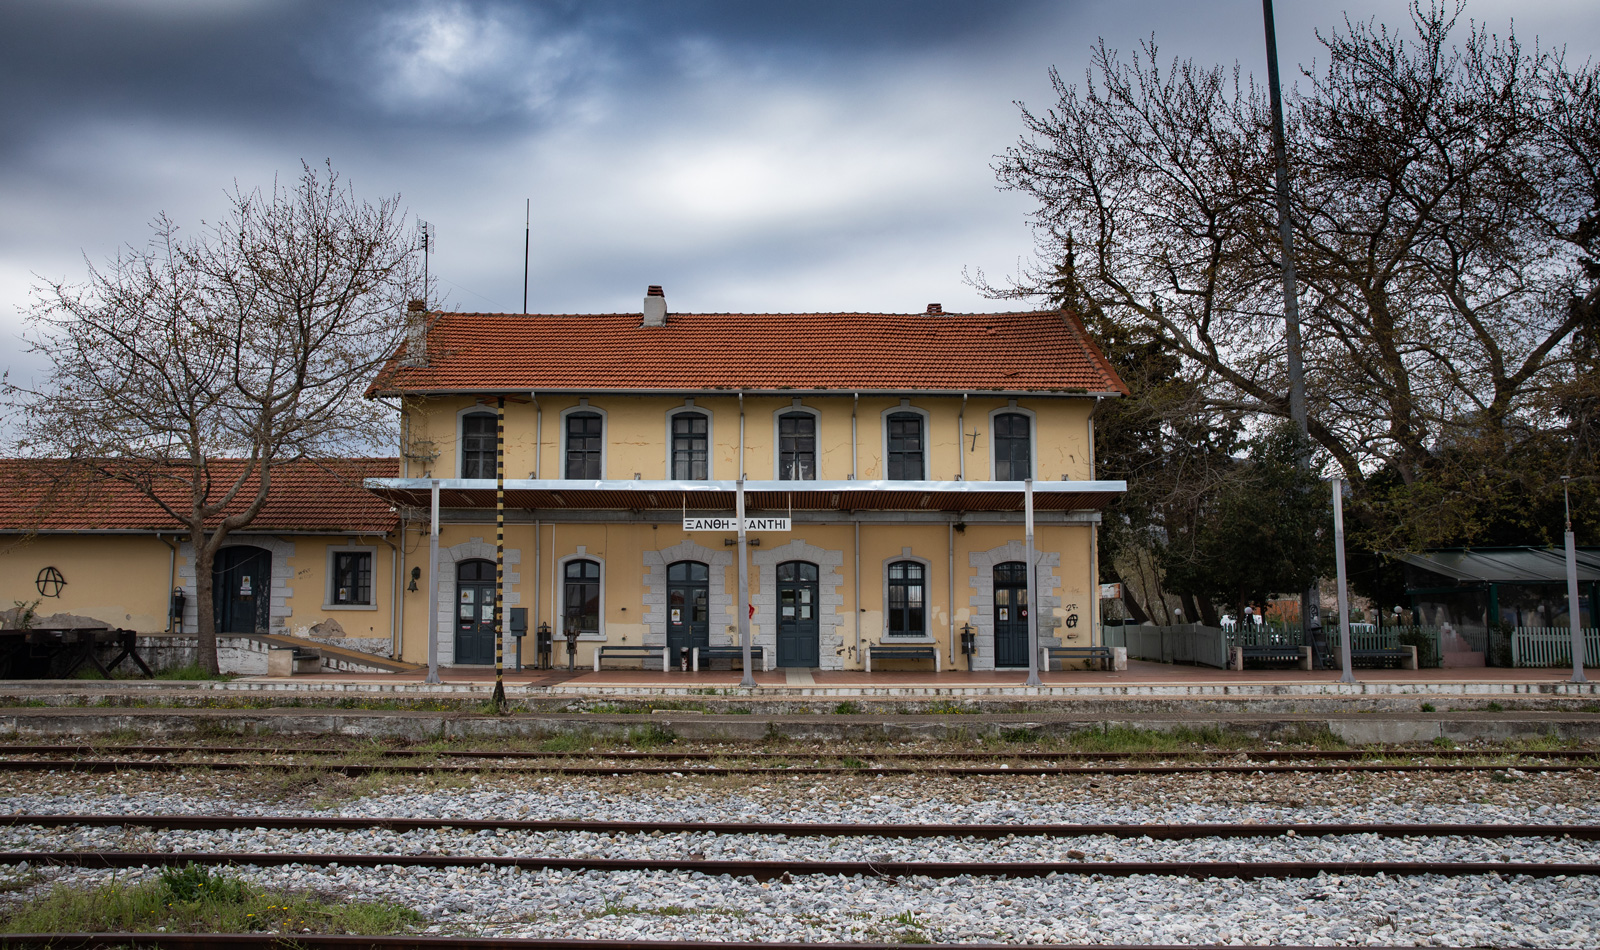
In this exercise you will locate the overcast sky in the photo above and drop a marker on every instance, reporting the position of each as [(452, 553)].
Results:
[(749, 155)]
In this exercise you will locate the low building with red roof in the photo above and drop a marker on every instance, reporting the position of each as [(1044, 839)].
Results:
[(81, 539)]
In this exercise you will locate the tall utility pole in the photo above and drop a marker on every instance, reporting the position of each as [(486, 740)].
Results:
[(527, 234), (1572, 590), (1310, 615)]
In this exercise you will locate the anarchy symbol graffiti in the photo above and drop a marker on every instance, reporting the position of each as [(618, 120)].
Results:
[(50, 582)]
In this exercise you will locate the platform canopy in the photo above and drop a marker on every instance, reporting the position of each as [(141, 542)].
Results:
[(641, 495), (1505, 565)]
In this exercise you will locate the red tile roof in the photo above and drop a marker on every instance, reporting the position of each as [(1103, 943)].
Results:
[(1034, 351), (53, 495)]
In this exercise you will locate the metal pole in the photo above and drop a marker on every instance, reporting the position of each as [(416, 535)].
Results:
[(1344, 598), (433, 591), (527, 233), (499, 552), (1572, 590), (1033, 601), (1310, 614), (749, 678)]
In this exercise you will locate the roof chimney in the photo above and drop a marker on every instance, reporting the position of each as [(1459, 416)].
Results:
[(936, 308), (416, 334), (655, 307)]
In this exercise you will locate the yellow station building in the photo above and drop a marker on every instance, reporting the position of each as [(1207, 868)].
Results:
[(898, 451)]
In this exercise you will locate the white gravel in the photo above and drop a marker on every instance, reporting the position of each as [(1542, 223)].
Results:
[(1342, 910)]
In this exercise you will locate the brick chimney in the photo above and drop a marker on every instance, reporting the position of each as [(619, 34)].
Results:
[(655, 307), (936, 308), (416, 334)]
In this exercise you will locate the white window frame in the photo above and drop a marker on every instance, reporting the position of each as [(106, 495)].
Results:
[(605, 435), (777, 439), (1033, 438), (327, 587), (927, 603), (711, 439), (561, 595), (461, 434), (927, 439)]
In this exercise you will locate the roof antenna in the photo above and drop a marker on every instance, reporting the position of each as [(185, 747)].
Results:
[(427, 248), (527, 232)]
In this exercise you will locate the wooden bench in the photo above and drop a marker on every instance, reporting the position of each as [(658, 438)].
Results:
[(631, 652), (1104, 655), (1403, 658), (758, 656), (1281, 653), (902, 651)]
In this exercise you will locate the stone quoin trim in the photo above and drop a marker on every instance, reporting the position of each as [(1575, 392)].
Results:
[(719, 597), (830, 581), (473, 549), (1046, 592)]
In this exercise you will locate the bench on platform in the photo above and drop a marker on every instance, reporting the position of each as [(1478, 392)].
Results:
[(902, 651), (1402, 658), (1282, 653), (1105, 656), (759, 657), (623, 651)]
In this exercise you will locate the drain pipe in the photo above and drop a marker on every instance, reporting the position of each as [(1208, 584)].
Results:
[(739, 472), (951, 577), (538, 437), (396, 552), (961, 438), (858, 588), (538, 584), (855, 402), (172, 578)]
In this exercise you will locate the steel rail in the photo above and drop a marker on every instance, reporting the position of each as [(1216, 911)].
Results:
[(363, 768), (1338, 755), (178, 941), (1165, 832), (769, 870)]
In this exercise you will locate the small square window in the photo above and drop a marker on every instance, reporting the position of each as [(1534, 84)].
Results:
[(352, 579)]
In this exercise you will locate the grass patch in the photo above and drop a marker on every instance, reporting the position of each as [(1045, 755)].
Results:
[(847, 708), (650, 736), (1124, 739), (947, 708), (566, 742), (1429, 707), (200, 900), (1495, 707), (1018, 736), (190, 671)]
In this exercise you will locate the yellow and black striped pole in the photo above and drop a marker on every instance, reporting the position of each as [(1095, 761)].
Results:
[(499, 552)]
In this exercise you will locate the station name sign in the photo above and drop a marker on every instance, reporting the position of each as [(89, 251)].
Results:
[(732, 524)]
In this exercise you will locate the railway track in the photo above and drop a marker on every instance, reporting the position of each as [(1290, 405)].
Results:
[(1163, 832), (101, 765), (772, 870), (1262, 755)]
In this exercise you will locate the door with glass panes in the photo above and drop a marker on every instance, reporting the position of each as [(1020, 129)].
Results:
[(1011, 614), (475, 612), (688, 606), (798, 630)]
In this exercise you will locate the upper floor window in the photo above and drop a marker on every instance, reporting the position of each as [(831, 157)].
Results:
[(906, 461), (580, 599), (691, 446), (477, 445), (585, 438), (908, 589), (1013, 447), (797, 447)]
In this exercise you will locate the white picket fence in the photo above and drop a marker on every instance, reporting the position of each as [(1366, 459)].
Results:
[(1552, 646)]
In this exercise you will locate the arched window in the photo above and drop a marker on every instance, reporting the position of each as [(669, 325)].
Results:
[(691, 442), (477, 445), (908, 598), (905, 437), (585, 441), (797, 447), (1013, 447), (580, 600)]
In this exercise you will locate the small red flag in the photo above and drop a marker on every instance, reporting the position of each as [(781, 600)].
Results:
[(752, 611)]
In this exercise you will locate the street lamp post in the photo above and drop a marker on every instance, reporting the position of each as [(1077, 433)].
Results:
[(1572, 589)]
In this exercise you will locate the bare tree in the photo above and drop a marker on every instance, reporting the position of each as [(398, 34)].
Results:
[(1446, 202), (253, 342)]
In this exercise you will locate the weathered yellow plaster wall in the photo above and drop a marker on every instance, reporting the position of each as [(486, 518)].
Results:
[(122, 580), (636, 435)]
